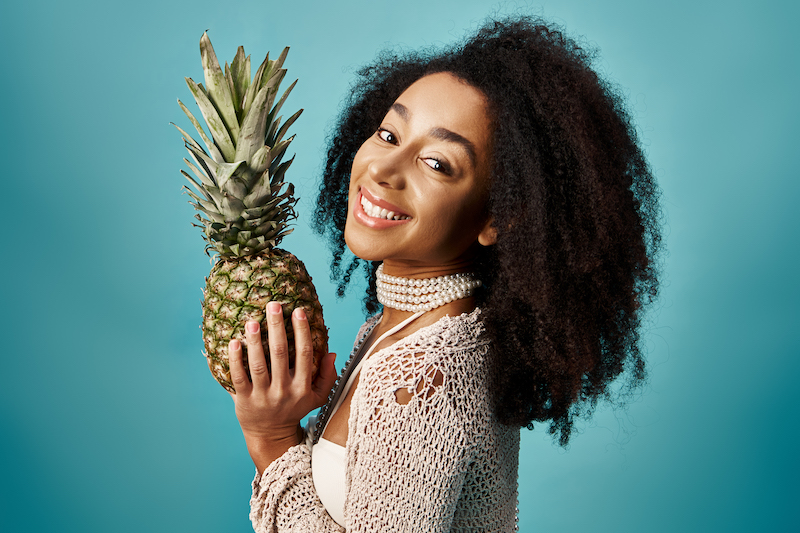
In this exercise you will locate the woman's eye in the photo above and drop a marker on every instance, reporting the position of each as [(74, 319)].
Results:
[(387, 136), (437, 165)]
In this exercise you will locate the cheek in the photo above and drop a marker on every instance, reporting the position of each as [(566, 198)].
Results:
[(360, 160), (467, 220)]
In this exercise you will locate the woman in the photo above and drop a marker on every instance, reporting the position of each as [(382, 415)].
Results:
[(506, 168)]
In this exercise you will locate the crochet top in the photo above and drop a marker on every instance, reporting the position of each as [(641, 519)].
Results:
[(441, 462)]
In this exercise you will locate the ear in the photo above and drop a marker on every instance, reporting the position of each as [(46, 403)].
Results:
[(488, 235)]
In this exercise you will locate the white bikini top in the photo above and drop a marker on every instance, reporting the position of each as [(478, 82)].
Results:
[(328, 459)]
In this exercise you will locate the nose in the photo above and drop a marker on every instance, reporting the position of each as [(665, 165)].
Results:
[(390, 168)]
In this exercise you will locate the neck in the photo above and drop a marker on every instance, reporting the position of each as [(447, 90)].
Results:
[(421, 271)]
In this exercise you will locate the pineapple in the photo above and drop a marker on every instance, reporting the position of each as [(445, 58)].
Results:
[(244, 207)]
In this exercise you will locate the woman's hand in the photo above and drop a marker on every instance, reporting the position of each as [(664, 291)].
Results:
[(270, 407)]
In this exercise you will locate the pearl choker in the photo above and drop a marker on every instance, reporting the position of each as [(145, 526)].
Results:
[(408, 294)]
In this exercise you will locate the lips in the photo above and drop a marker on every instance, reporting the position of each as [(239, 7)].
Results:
[(377, 213), (380, 208)]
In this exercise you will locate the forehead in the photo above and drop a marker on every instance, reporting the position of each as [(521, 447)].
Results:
[(443, 100)]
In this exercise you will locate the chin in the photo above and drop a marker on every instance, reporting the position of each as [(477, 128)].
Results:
[(363, 252), (356, 246)]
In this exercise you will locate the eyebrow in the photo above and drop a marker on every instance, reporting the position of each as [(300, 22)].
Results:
[(440, 133)]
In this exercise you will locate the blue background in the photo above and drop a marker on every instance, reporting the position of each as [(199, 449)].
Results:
[(109, 419)]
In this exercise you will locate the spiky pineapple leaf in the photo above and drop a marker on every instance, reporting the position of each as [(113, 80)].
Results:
[(231, 207), (259, 162), (254, 87), (208, 207), (214, 216), (277, 176), (207, 182), (210, 170), (224, 174), (284, 128), (277, 155), (219, 92), (274, 82), (212, 148), (232, 87), (277, 108), (265, 190), (281, 58), (243, 237), (197, 186), (255, 213), (188, 139), (202, 159), (240, 74), (214, 198), (259, 192), (215, 124), (254, 127)]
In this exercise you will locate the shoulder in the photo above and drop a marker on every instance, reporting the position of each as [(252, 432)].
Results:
[(443, 342), (447, 358), (451, 333), (456, 343)]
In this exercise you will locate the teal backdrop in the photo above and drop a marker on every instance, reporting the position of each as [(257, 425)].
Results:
[(109, 418)]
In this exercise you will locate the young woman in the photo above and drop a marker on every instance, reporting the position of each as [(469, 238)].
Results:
[(507, 220)]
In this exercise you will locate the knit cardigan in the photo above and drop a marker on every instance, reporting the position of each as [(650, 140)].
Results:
[(441, 462)]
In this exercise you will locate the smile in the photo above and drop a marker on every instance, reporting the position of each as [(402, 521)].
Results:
[(376, 212)]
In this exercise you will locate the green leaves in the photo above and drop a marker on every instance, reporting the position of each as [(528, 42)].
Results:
[(238, 77), (219, 92), (254, 127), (237, 172), (215, 124)]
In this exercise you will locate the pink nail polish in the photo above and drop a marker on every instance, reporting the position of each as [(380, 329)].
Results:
[(274, 308), (252, 326)]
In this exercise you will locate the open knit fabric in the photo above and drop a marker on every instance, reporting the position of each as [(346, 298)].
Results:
[(441, 462)]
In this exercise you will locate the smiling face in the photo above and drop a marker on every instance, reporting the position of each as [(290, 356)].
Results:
[(419, 185)]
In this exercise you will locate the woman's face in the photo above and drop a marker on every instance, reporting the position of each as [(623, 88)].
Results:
[(419, 185)]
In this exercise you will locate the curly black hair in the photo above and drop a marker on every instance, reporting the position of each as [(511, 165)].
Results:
[(573, 200)]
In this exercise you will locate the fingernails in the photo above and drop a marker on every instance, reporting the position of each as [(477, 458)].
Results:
[(274, 308), (234, 345), (252, 326), (299, 313)]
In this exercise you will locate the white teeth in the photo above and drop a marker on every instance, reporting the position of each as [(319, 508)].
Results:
[(376, 212)]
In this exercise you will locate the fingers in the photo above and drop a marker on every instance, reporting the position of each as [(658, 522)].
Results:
[(241, 383), (326, 378), (278, 346), (304, 347), (255, 354)]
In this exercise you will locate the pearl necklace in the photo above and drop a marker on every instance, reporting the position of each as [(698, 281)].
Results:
[(408, 294)]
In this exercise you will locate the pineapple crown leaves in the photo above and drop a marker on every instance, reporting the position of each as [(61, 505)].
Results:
[(243, 204)]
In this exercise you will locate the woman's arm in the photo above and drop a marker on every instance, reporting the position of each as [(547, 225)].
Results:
[(270, 404)]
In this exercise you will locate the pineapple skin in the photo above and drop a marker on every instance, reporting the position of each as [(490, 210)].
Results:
[(238, 289)]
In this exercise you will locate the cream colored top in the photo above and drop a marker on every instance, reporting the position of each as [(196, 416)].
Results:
[(441, 462), (328, 465)]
